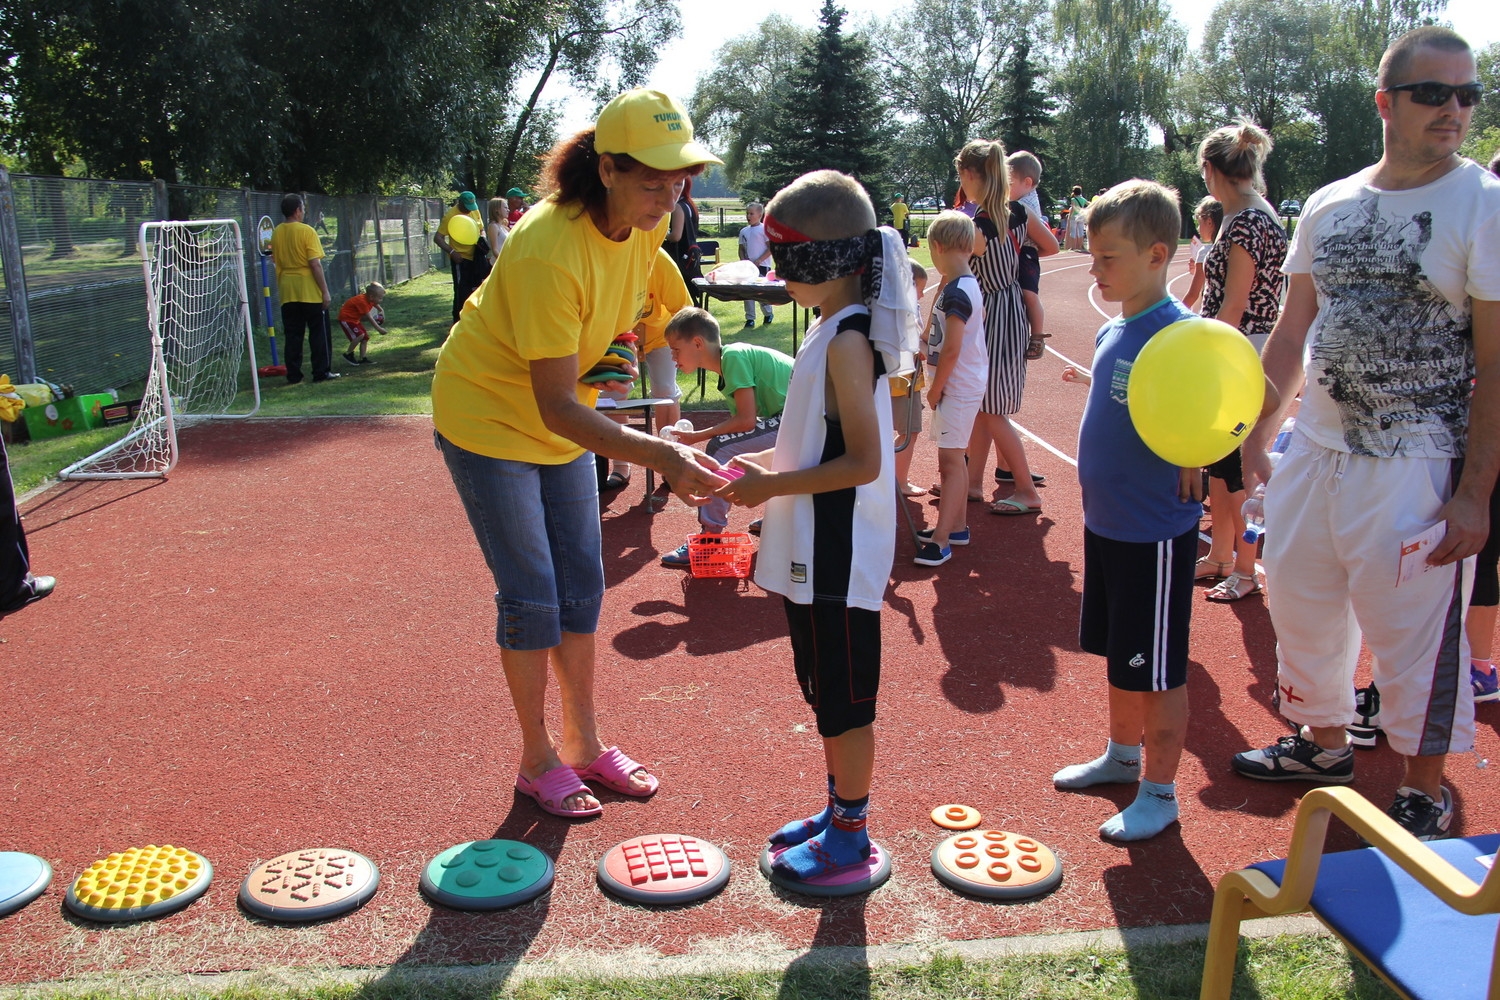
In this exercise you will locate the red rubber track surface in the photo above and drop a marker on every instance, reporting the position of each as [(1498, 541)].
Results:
[(290, 642)]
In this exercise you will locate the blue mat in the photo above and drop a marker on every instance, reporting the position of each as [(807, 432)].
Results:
[(1428, 950)]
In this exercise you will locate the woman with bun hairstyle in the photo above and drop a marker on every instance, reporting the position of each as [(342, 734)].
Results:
[(1242, 285), (513, 407)]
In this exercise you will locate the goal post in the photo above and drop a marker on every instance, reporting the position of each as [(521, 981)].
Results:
[(202, 345)]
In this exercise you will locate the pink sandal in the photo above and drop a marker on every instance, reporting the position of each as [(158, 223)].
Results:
[(612, 769), (552, 788)]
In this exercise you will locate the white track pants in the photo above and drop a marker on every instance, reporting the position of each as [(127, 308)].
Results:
[(1334, 527)]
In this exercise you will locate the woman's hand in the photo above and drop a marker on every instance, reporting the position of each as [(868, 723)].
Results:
[(693, 475)]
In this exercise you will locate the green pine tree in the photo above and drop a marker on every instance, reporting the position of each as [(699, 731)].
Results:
[(830, 115)]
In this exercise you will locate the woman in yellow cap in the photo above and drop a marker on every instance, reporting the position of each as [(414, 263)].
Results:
[(516, 422)]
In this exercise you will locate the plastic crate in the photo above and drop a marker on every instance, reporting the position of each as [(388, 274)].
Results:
[(726, 555)]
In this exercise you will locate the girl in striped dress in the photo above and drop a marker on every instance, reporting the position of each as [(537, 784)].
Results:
[(999, 227)]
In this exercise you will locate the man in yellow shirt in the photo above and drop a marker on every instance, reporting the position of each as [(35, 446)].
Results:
[(899, 218), (460, 254), (298, 254)]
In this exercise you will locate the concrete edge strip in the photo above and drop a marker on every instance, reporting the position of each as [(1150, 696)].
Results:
[(715, 957)]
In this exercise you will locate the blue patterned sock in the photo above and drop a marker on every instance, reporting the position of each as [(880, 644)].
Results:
[(802, 830), (1154, 809), (1121, 764), (844, 843)]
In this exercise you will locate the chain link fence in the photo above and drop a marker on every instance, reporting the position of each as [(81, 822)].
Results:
[(72, 293)]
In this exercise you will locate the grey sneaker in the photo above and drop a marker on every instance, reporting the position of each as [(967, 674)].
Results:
[(1293, 758), (1366, 725), (1420, 816)]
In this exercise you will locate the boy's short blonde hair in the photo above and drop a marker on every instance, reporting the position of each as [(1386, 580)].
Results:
[(952, 231), (1146, 211), (690, 321), (374, 287), (1025, 164), (824, 205)]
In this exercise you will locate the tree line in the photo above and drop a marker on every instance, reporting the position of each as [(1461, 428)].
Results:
[(358, 96), (388, 97), (1100, 90)]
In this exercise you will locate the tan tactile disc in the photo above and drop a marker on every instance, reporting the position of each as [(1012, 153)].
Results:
[(314, 884), (139, 883)]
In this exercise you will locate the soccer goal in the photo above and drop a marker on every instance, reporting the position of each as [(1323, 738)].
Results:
[(202, 347)]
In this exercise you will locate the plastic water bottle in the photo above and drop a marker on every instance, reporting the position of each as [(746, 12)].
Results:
[(1254, 509)]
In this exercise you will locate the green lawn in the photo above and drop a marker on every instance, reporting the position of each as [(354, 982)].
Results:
[(1284, 968)]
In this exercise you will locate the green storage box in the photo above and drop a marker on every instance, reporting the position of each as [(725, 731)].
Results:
[(65, 416)]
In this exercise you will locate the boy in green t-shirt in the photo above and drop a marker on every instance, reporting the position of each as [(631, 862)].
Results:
[(753, 378)]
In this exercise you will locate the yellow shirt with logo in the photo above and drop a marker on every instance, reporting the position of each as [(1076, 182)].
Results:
[(560, 288), (293, 245), (464, 250)]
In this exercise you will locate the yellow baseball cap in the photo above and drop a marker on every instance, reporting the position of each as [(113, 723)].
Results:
[(652, 127)]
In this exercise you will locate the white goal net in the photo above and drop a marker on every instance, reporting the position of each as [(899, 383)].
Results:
[(202, 347)]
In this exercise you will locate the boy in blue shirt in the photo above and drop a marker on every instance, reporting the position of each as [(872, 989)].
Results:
[(1140, 516)]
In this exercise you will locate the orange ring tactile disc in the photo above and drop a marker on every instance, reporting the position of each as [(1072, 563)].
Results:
[(956, 817), (139, 883), (996, 864)]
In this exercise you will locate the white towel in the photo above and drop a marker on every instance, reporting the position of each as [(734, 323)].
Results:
[(785, 562), (893, 313)]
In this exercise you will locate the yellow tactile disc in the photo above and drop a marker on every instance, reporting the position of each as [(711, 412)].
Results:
[(139, 883)]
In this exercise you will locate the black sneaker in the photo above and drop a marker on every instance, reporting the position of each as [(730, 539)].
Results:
[(1293, 758), (766, 321), (349, 357), (1420, 816), (754, 526), (1366, 725), (928, 554)]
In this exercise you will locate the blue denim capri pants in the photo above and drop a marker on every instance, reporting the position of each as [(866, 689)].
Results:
[(538, 527)]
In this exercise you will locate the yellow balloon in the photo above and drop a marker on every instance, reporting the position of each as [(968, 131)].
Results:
[(1195, 391), (463, 230)]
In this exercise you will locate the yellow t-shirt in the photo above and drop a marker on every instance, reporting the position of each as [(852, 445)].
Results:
[(293, 244), (560, 288), (898, 213), (465, 250), (666, 294)]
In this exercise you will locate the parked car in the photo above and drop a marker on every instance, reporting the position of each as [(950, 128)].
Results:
[(926, 204), (1291, 208)]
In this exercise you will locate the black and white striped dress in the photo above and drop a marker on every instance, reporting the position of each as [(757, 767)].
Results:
[(1005, 325)]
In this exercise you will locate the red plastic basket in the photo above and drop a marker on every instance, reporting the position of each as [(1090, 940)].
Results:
[(726, 555)]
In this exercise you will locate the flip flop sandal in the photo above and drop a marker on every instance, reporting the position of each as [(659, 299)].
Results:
[(615, 481), (613, 769), (1011, 507), (552, 788)]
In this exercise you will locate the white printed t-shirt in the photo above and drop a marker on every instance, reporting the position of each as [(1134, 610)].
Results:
[(753, 244), (1390, 354), (971, 372)]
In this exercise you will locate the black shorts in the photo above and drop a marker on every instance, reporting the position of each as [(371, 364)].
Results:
[(1137, 602), (836, 650), (1231, 470), (1487, 567), (1029, 270)]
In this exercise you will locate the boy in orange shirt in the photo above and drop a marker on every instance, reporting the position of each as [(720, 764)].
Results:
[(355, 313)]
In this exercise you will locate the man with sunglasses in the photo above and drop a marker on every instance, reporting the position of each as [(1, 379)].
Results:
[(1391, 331)]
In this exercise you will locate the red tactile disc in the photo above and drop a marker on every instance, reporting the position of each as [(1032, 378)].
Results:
[(664, 869), (309, 885)]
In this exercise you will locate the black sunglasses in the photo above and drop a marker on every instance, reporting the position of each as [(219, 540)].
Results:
[(1435, 95)]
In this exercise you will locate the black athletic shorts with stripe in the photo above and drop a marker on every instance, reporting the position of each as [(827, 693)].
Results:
[(1137, 603)]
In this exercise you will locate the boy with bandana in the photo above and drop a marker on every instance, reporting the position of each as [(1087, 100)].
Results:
[(829, 481)]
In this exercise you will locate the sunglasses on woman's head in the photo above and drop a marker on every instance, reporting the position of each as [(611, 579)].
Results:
[(1435, 95)]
